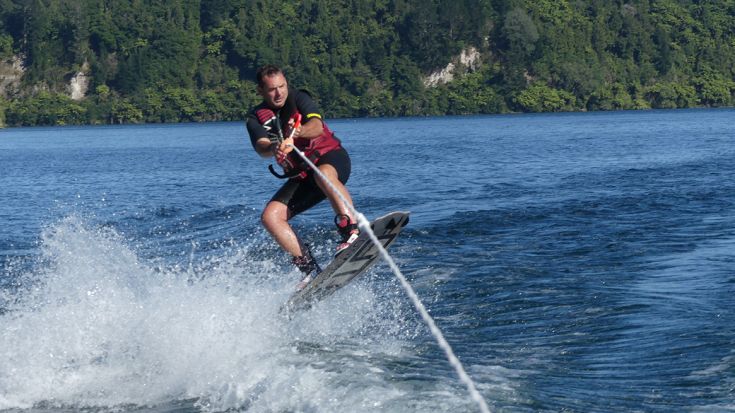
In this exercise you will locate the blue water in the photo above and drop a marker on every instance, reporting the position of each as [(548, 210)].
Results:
[(575, 262)]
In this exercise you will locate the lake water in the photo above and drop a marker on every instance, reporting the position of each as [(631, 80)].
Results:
[(575, 262)]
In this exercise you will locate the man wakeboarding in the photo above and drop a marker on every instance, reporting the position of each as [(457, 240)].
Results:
[(288, 117)]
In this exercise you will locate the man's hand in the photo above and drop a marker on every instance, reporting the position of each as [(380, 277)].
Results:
[(281, 151), (294, 127)]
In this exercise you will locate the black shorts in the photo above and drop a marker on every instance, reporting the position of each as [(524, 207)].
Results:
[(302, 194)]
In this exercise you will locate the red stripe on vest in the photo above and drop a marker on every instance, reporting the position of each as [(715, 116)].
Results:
[(264, 115)]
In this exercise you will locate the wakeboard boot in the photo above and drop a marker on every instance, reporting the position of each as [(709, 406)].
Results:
[(308, 266), (348, 230)]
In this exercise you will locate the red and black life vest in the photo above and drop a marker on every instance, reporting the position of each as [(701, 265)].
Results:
[(276, 125)]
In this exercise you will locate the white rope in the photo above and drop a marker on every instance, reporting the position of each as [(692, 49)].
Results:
[(364, 224)]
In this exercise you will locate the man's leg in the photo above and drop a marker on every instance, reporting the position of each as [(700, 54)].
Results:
[(345, 220), (275, 218), (337, 205)]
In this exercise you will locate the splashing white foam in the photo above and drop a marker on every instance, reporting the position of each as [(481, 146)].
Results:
[(95, 326)]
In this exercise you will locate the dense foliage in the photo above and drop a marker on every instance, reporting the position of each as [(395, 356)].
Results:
[(194, 60)]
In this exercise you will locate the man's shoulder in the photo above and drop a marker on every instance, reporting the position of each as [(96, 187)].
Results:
[(306, 104), (252, 120), (252, 114)]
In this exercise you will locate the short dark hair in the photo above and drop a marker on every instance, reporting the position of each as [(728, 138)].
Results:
[(266, 71)]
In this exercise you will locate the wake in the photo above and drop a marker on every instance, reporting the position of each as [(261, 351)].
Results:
[(94, 325)]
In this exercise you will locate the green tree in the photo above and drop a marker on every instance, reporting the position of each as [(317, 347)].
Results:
[(542, 98), (714, 89), (520, 35), (123, 111), (670, 95), (51, 109), (194, 60)]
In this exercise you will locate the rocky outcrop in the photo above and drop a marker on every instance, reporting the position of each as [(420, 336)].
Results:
[(11, 72), (79, 83), (467, 61)]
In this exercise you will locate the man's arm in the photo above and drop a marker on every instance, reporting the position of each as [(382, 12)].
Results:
[(259, 138), (310, 129), (264, 147), (311, 126)]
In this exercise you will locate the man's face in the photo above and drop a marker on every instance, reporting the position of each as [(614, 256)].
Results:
[(274, 90)]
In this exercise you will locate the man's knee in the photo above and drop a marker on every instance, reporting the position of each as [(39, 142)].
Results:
[(273, 214), (329, 171)]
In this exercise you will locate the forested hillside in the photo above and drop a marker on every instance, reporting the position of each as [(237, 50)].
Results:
[(119, 61)]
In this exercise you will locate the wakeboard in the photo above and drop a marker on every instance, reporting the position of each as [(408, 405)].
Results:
[(349, 263)]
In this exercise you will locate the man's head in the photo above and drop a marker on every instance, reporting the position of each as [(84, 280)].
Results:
[(272, 86)]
